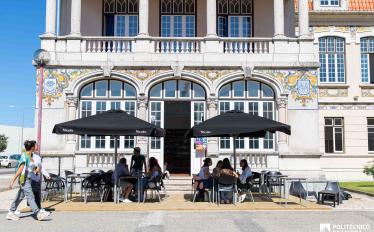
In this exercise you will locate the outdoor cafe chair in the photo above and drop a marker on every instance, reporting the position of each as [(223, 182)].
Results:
[(273, 181), (247, 188), (71, 182), (227, 183), (153, 186), (106, 186), (197, 190), (54, 185), (297, 189), (92, 186), (334, 186)]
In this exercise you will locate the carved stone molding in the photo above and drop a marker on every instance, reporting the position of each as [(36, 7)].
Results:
[(282, 103), (177, 70), (333, 92), (212, 103), (107, 70), (72, 101), (142, 102), (248, 71)]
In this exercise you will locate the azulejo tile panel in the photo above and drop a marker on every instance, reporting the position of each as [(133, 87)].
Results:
[(302, 86), (56, 80)]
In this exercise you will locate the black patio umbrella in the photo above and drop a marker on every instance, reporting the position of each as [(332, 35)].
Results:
[(111, 123), (237, 124)]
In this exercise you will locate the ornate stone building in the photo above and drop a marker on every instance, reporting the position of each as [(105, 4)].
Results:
[(190, 60)]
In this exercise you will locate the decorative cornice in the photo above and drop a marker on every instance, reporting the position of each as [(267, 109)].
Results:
[(72, 101), (142, 102), (212, 103), (282, 103)]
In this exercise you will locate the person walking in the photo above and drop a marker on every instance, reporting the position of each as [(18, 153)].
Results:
[(25, 168)]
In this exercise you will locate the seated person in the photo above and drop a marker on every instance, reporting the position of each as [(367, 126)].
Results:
[(122, 170), (226, 169), (153, 172), (242, 181), (217, 169), (205, 180)]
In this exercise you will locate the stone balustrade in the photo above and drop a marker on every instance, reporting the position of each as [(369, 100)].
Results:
[(102, 160), (134, 51), (255, 160)]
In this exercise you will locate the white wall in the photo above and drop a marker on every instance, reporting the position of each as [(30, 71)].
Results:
[(14, 135)]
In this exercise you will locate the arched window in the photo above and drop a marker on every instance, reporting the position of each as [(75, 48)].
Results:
[(367, 60), (251, 97), (180, 89), (100, 96), (332, 59)]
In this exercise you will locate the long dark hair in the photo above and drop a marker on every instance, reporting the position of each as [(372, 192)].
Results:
[(206, 162), (219, 163), (153, 162), (226, 164), (245, 164)]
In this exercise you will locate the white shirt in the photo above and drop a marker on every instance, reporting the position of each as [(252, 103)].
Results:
[(37, 160)]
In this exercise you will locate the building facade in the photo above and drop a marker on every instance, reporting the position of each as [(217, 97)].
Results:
[(176, 63)]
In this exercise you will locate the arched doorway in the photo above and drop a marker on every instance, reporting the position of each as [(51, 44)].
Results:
[(176, 105)]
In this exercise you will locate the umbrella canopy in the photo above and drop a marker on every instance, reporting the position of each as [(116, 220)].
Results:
[(113, 122), (237, 124)]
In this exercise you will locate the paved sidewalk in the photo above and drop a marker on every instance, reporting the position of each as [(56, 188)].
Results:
[(7, 197), (357, 202)]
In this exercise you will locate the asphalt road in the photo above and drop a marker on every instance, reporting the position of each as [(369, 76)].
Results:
[(4, 171), (273, 221)]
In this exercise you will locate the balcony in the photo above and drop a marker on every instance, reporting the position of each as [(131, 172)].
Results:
[(161, 51)]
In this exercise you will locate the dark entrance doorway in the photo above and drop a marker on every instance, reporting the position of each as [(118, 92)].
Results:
[(177, 149)]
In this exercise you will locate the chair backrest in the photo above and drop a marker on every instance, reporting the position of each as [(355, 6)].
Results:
[(332, 186), (67, 172), (99, 171), (226, 179), (297, 188)]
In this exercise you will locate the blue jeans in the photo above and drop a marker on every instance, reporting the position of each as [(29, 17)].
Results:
[(25, 191)]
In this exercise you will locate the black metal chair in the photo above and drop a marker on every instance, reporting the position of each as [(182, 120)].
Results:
[(97, 171), (247, 187), (92, 185), (273, 181), (106, 186), (153, 186), (334, 186), (227, 183), (54, 185), (297, 190)]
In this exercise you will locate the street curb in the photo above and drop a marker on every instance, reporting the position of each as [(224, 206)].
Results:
[(359, 192)]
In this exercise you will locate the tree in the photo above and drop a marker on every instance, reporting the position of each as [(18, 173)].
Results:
[(369, 169), (3, 143)]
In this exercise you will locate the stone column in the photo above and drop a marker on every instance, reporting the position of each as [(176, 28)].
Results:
[(76, 14), (50, 17), (282, 117), (211, 18), (142, 104), (212, 105), (72, 104), (278, 18), (303, 18), (143, 17)]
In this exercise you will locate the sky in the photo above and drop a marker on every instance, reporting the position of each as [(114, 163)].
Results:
[(21, 23)]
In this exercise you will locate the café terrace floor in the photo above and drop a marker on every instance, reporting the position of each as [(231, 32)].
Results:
[(182, 202)]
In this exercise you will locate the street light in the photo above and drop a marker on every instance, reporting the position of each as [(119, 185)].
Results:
[(41, 58)]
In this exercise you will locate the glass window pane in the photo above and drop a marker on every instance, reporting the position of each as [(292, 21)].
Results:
[(238, 88), (184, 88), (101, 88), (100, 142), (253, 108), (328, 121), (86, 109), (198, 91), (130, 107), (133, 25), (338, 140), (338, 121), (225, 91), (85, 141), (267, 91), (239, 106), (120, 25), (371, 141), (156, 90), (115, 88), (87, 91), (224, 107), (253, 88), (115, 105), (129, 91), (170, 88), (100, 107), (371, 121), (329, 142)]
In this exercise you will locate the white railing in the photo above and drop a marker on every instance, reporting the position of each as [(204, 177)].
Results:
[(109, 45), (246, 46), (255, 160), (177, 45), (102, 160)]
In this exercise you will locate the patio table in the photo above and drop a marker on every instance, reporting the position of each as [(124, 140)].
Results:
[(81, 177), (278, 179)]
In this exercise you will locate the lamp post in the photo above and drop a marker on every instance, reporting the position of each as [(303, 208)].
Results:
[(41, 58)]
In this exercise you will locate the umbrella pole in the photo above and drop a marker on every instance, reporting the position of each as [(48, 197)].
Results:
[(115, 174), (235, 153)]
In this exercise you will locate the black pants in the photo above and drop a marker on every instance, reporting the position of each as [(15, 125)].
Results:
[(36, 187)]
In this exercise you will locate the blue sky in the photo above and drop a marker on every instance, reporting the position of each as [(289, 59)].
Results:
[(21, 23)]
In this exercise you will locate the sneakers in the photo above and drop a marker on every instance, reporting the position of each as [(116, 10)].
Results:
[(12, 216), (242, 198), (42, 214), (126, 201)]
